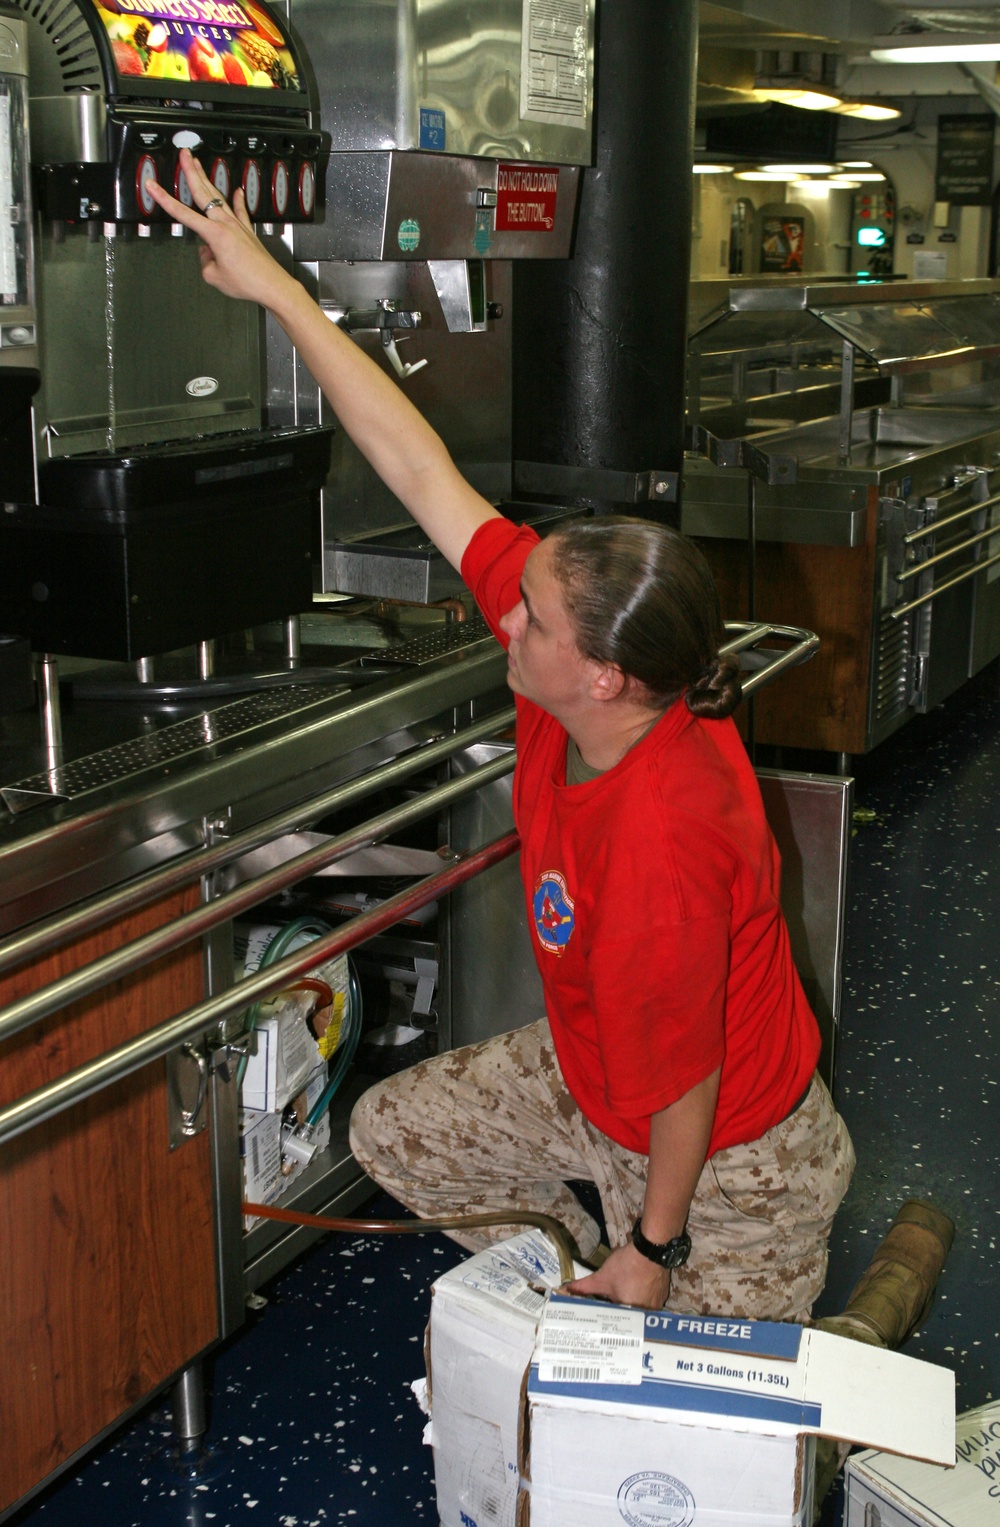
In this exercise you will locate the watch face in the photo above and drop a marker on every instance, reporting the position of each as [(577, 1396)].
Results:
[(672, 1253)]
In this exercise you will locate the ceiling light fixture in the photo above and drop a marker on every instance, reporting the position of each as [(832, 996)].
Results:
[(861, 175), (935, 48), (787, 170), (805, 100), (856, 164), (868, 111), (711, 169), (763, 175)]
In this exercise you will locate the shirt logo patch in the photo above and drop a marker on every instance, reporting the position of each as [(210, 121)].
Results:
[(553, 909)]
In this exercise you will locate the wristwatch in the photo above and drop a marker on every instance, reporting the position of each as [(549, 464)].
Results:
[(673, 1253)]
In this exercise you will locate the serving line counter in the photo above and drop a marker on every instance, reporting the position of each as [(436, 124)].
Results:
[(121, 1182), (851, 436)]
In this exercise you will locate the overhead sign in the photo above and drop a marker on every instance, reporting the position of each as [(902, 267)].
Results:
[(965, 160), (526, 198)]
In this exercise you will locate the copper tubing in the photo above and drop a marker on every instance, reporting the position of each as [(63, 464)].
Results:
[(564, 1243)]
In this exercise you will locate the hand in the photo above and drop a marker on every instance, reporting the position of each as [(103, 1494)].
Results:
[(232, 257), (626, 1277)]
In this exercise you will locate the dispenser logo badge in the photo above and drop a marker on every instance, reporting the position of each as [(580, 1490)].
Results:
[(553, 908), (408, 236), (201, 386), (526, 198)]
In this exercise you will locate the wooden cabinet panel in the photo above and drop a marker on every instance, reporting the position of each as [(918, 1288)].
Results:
[(826, 589), (107, 1267)]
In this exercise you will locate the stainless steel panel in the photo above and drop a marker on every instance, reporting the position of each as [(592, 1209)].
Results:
[(127, 323), (893, 333), (714, 504), (69, 129), (378, 63), (350, 568), (495, 985), (810, 816), (986, 613), (393, 205), (40, 860), (445, 210), (464, 392), (779, 296)]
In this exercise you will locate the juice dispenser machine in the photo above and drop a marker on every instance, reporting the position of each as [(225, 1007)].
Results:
[(162, 509)]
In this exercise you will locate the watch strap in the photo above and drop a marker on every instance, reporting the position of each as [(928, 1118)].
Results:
[(672, 1253)]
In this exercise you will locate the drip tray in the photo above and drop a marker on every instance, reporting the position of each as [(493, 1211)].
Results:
[(206, 734)]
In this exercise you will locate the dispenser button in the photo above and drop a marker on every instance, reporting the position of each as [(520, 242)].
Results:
[(220, 178), (145, 175), (307, 189), (17, 334), (251, 186), (486, 198), (279, 188), (181, 188)]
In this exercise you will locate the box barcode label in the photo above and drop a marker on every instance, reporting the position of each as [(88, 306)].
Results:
[(585, 1343), (562, 1373)]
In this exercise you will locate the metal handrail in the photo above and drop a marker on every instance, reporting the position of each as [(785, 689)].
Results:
[(44, 937), (121, 962), (941, 588), (55, 1097), (751, 632), (933, 526), (950, 551)]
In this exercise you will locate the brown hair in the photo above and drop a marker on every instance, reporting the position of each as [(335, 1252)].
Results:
[(641, 596)]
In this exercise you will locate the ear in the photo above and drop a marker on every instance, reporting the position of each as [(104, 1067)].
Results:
[(607, 682)]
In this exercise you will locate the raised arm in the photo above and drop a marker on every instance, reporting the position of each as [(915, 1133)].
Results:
[(398, 442)]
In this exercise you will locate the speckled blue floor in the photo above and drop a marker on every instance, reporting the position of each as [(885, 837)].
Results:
[(312, 1421)]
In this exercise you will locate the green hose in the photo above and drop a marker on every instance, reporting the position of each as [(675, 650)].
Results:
[(278, 947)]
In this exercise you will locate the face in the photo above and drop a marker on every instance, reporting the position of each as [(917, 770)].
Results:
[(544, 663)]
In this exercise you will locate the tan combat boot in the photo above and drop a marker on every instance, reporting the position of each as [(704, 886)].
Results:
[(892, 1298), (894, 1295)]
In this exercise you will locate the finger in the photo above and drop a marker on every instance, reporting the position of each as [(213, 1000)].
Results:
[(202, 189), (240, 208), (176, 210)]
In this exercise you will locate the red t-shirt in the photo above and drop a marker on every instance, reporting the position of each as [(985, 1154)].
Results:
[(652, 895)]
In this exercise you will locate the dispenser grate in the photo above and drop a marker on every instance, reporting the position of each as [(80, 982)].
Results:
[(126, 760), (424, 649), (73, 51)]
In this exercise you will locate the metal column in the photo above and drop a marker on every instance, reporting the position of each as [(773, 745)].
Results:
[(599, 340)]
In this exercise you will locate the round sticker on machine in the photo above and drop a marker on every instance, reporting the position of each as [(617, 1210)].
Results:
[(655, 1500), (201, 386), (408, 236)]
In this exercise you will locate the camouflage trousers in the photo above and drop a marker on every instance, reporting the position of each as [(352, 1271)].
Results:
[(492, 1127)]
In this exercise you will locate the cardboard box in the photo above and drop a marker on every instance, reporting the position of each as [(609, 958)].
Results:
[(484, 1318), (260, 1147), (885, 1491), (553, 1411)]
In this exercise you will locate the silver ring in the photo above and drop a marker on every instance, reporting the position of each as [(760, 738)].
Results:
[(217, 201)]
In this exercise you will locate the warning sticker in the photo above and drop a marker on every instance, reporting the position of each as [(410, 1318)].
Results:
[(526, 198), (554, 62)]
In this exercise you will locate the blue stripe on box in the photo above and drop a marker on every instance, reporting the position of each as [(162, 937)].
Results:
[(664, 1394), (757, 1338)]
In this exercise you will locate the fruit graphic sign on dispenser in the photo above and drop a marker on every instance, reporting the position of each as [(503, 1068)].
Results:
[(232, 43)]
